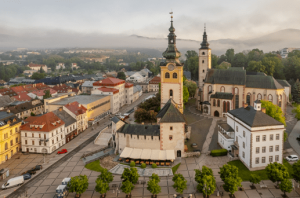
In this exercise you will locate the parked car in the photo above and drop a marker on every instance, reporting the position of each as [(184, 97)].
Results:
[(30, 171), (27, 176), (16, 181), (62, 151), (292, 158), (37, 167)]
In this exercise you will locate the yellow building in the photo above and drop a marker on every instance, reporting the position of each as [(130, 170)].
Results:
[(9, 135)]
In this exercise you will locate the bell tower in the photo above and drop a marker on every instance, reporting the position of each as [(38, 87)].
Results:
[(204, 59), (172, 72)]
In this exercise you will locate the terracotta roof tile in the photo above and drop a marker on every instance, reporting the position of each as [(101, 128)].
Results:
[(110, 81), (105, 89), (76, 108), (155, 80), (22, 97)]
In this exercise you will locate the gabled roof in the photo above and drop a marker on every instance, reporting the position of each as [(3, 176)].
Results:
[(115, 119), (8, 117), (262, 81), (155, 80), (169, 113), (226, 76), (42, 92), (110, 81), (283, 83), (45, 123), (64, 116), (105, 89), (128, 85), (222, 95), (7, 91), (25, 106), (35, 65), (139, 129), (76, 108), (18, 89), (5, 101), (30, 88), (22, 97), (137, 88), (254, 118)]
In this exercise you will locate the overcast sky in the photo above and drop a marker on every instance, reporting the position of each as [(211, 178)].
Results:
[(235, 19)]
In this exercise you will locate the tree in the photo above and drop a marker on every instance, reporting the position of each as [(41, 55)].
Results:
[(286, 186), (214, 60), (106, 176), (78, 184), (222, 59), (200, 173), (254, 179), (101, 186), (185, 94), (41, 70), (239, 60), (206, 181), (121, 75), (130, 175), (255, 55), (32, 114), (127, 187), (228, 171), (155, 177), (153, 187), (230, 55), (276, 172), (274, 111), (179, 183), (256, 66), (47, 94), (231, 184), (38, 76), (192, 87), (296, 91), (192, 63), (296, 171), (223, 65)]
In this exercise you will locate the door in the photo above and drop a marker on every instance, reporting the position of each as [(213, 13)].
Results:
[(27, 150), (179, 153), (216, 114)]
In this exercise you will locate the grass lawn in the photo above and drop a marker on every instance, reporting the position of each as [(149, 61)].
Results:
[(244, 173), (174, 168), (94, 166)]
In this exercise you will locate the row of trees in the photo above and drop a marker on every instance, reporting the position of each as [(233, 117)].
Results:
[(10, 71)]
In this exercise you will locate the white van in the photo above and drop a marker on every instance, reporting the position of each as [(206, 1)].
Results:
[(16, 181)]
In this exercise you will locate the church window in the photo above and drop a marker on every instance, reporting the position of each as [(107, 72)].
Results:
[(228, 106), (214, 102), (167, 75), (203, 71), (170, 137), (174, 75), (209, 88), (259, 97), (224, 107), (236, 91), (222, 89), (171, 128), (236, 101), (248, 98), (171, 93), (203, 53), (270, 98), (202, 61), (218, 103)]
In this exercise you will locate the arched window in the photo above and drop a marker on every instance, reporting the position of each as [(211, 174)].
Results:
[(280, 97), (259, 97), (224, 107), (6, 146), (171, 93), (174, 75), (167, 75), (203, 53), (236, 91), (270, 98), (202, 61), (209, 88), (203, 71), (248, 98), (218, 103), (222, 89), (214, 102), (228, 106)]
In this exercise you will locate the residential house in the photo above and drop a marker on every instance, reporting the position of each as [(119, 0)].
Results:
[(128, 93), (87, 87), (37, 67), (24, 110), (78, 112), (114, 97), (154, 84)]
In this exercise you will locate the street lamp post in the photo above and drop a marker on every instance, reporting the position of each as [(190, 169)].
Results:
[(117, 191), (205, 190)]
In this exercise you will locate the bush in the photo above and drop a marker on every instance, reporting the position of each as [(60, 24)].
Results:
[(219, 152), (132, 164), (143, 165), (154, 165)]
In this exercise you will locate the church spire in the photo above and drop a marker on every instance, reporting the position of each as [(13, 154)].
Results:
[(171, 53), (204, 44)]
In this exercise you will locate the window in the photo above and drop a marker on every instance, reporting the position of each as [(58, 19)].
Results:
[(203, 71), (16, 129), (209, 88), (39, 135), (263, 160), (25, 134), (218, 102), (237, 129), (174, 75), (237, 139), (57, 139), (264, 138), (32, 142), (263, 149), (44, 136), (171, 128), (25, 141), (257, 138), (244, 134), (243, 144), (257, 160), (271, 137), (236, 91), (276, 158), (170, 137), (257, 149), (277, 136), (214, 102), (202, 61), (6, 146), (270, 98), (259, 97), (10, 132), (17, 140), (236, 101), (222, 89), (32, 134), (271, 159), (167, 75), (171, 93), (243, 154), (248, 98), (40, 143), (271, 149), (11, 142), (52, 141), (203, 53), (277, 148)]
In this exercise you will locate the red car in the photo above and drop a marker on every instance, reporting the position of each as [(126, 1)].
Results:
[(62, 151)]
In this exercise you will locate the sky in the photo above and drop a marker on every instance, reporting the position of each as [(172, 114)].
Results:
[(233, 19)]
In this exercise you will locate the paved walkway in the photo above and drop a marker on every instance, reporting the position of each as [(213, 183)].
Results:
[(161, 172), (104, 137)]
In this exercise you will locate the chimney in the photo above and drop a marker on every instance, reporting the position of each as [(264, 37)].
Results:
[(79, 105), (8, 111), (245, 105), (19, 96), (263, 110), (60, 108)]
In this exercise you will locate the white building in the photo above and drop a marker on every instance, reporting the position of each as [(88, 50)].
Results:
[(128, 93), (37, 67), (60, 66), (136, 77), (252, 136), (114, 97), (87, 87), (42, 134), (79, 112)]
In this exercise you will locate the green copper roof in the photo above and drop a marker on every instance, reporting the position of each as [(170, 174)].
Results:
[(169, 113), (204, 44)]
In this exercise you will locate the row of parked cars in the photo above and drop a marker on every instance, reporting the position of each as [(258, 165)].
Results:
[(17, 181)]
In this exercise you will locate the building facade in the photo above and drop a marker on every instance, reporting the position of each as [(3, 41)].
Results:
[(154, 84), (79, 113)]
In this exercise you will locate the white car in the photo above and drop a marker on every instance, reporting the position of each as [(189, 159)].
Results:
[(292, 158)]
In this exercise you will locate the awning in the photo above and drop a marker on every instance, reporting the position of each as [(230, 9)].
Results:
[(170, 155), (155, 155), (148, 154), (126, 152), (136, 154)]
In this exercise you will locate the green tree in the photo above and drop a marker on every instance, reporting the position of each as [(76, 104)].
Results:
[(223, 65), (192, 63), (214, 60), (101, 187), (38, 76), (276, 172), (32, 114), (121, 75), (286, 186), (222, 59), (127, 187), (256, 66), (130, 175), (185, 94), (231, 184), (41, 70), (179, 183), (296, 171), (155, 177), (228, 171), (78, 184), (207, 185), (192, 87), (255, 55), (200, 173), (47, 94), (239, 60), (153, 187), (106, 176), (254, 179), (296, 91), (273, 110), (230, 55)]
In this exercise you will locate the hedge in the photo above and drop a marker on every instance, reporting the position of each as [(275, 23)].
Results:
[(219, 152), (132, 164)]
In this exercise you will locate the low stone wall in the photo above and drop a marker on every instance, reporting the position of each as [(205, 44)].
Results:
[(192, 154), (99, 134)]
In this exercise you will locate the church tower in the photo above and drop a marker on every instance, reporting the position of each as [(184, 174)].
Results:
[(204, 59), (172, 73)]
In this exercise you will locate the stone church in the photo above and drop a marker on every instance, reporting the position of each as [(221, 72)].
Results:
[(165, 140), (222, 90)]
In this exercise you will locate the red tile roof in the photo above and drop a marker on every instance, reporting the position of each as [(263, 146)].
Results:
[(110, 81), (41, 86), (76, 108), (105, 89), (35, 65), (48, 122), (42, 92), (22, 97), (19, 89), (128, 85), (7, 91), (62, 88), (155, 80), (30, 88)]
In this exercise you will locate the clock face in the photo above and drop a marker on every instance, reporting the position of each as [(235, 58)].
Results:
[(171, 67)]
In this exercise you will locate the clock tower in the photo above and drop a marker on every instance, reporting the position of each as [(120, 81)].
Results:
[(172, 73), (204, 59)]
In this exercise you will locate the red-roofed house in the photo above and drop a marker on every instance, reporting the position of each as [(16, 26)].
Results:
[(40, 93), (40, 86), (7, 91), (114, 97), (42, 134), (22, 97), (154, 84), (79, 112), (19, 89), (62, 88), (37, 67), (30, 88)]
